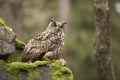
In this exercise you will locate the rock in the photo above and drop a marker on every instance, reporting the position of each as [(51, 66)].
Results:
[(3, 74), (8, 42), (7, 38), (7, 48), (6, 35), (39, 70)]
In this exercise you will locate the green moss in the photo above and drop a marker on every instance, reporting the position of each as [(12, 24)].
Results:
[(19, 44), (16, 69), (61, 72), (2, 23), (33, 73), (41, 63), (14, 57)]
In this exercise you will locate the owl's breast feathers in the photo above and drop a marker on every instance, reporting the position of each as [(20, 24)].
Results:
[(41, 44)]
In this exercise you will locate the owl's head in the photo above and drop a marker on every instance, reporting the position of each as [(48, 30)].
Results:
[(54, 25)]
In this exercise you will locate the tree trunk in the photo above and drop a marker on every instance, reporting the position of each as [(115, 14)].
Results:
[(64, 6), (102, 41)]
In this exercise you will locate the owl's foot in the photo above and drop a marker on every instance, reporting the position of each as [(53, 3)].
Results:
[(48, 55), (62, 61), (30, 62)]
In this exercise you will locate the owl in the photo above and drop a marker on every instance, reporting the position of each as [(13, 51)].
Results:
[(47, 44)]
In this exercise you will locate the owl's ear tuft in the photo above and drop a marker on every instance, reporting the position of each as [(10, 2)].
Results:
[(53, 22), (63, 24)]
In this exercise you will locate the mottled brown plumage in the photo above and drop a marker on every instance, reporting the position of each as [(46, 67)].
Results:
[(47, 44)]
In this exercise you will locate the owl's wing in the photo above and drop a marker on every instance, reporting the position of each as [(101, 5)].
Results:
[(37, 47)]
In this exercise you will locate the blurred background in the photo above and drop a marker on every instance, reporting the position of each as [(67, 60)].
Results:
[(29, 17)]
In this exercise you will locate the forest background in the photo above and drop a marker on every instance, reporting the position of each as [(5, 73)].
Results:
[(29, 17)]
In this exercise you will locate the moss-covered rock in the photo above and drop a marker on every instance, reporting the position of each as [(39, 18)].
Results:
[(60, 72), (32, 71), (14, 57), (16, 69), (9, 44), (7, 38), (19, 44), (6, 32), (2, 23)]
